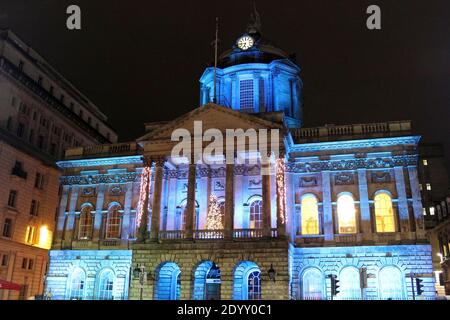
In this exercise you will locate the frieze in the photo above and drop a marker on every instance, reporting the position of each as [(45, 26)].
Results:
[(353, 164), (99, 179)]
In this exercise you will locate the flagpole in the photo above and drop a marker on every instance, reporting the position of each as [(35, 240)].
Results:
[(215, 59)]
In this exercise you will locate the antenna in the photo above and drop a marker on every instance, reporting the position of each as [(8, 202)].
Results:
[(216, 45)]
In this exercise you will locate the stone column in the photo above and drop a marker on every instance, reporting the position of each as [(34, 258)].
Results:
[(366, 229), (267, 221), (62, 213), (416, 202), (190, 207), (99, 212), (229, 202), (327, 207), (290, 206), (157, 192), (239, 198), (280, 185), (402, 200), (71, 215), (126, 219)]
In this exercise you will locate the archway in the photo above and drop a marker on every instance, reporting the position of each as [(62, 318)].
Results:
[(168, 282), (247, 281), (207, 282)]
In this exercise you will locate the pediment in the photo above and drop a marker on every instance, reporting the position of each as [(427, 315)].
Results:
[(212, 117)]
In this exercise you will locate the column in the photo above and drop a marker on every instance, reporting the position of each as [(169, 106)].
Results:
[(157, 192), (71, 215), (229, 202), (142, 233), (190, 207), (327, 207), (239, 198), (62, 213), (290, 206), (267, 223), (364, 204), (402, 200), (281, 199), (416, 202), (126, 219), (99, 212), (172, 205)]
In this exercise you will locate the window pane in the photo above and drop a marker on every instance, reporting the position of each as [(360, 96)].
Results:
[(310, 216), (114, 223), (85, 230), (256, 215), (346, 214), (384, 213), (313, 285), (254, 286)]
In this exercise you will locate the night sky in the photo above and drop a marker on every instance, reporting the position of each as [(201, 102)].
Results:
[(140, 61)]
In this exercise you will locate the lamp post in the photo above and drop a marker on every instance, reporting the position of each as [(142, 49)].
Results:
[(139, 273)]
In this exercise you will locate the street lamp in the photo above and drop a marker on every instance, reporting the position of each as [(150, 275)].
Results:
[(272, 273)]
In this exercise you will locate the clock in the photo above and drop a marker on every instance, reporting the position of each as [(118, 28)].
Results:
[(245, 42)]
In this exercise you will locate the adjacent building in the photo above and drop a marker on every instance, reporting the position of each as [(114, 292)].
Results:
[(342, 203), (41, 115)]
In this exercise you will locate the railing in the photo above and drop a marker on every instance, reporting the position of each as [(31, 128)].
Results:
[(346, 238), (172, 235), (110, 243), (387, 238), (103, 150), (209, 234), (384, 128), (247, 233), (81, 244)]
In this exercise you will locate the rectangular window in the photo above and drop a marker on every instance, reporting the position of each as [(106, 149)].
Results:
[(30, 236), (5, 259), (24, 263), (12, 199), (428, 186), (34, 208), (21, 63), (432, 211), (246, 93), (7, 228), (20, 130), (425, 163), (39, 181), (424, 211), (30, 264)]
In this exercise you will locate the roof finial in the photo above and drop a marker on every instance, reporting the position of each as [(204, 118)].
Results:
[(255, 21)]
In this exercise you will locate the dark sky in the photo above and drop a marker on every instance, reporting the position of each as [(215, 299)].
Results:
[(140, 61)]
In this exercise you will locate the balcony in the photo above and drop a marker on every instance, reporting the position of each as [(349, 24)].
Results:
[(172, 235), (109, 150), (215, 234), (209, 234), (85, 244)]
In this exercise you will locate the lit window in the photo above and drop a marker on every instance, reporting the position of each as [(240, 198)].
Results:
[(432, 211), (30, 235), (114, 222), (256, 215), (425, 162), (391, 283), (313, 285), (384, 213), (428, 187), (106, 285), (350, 284), (346, 214), (85, 229), (421, 187), (44, 237), (424, 211), (254, 285), (246, 96), (310, 215)]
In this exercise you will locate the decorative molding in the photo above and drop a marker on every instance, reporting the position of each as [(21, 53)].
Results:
[(307, 182), (255, 184), (381, 177), (88, 192), (353, 164), (115, 191), (100, 162), (344, 179), (99, 179), (219, 186)]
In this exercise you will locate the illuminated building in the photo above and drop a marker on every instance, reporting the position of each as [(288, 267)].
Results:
[(343, 201), (41, 115)]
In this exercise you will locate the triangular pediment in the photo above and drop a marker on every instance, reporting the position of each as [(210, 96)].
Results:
[(213, 116)]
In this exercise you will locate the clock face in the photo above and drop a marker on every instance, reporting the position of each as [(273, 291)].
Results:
[(245, 43)]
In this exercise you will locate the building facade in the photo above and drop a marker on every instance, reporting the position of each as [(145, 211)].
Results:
[(341, 203), (41, 115)]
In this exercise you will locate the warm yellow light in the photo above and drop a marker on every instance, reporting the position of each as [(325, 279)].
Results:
[(44, 237)]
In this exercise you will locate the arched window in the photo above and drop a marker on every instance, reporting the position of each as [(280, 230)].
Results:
[(350, 284), (391, 283), (76, 286), (384, 213), (168, 282), (256, 215), (346, 214), (105, 286), (254, 285), (86, 221), (313, 285), (114, 222), (310, 215)]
